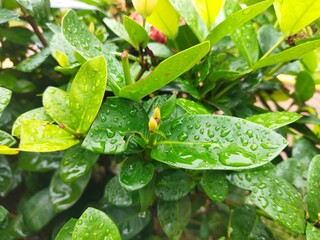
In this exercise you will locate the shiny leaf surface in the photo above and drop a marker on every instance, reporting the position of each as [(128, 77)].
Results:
[(32, 63), (66, 231), (6, 139), (312, 232), (191, 107), (208, 10), (313, 199), (215, 185)]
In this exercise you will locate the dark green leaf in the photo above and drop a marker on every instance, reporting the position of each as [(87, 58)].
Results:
[(7, 15), (191, 107), (173, 184), (6, 176), (18, 35), (38, 210), (138, 35), (268, 37), (30, 64), (274, 120), (94, 224), (4, 99), (135, 173), (3, 215), (39, 9), (6, 139), (236, 20), (215, 185), (147, 195), (117, 118), (174, 216), (216, 142), (304, 87), (66, 231), (64, 195), (167, 71), (312, 232), (168, 107), (313, 199), (76, 162)]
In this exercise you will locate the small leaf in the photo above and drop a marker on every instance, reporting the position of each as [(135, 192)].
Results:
[(173, 184), (7, 15), (135, 173), (138, 35), (304, 87), (215, 185), (6, 139), (167, 71), (168, 107), (174, 216), (100, 225), (86, 93), (66, 231), (5, 98), (165, 18), (118, 28), (236, 20), (191, 107), (313, 199), (208, 10), (41, 136), (32, 63), (76, 162), (274, 120), (312, 232)]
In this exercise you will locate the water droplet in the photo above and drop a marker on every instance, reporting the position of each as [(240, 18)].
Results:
[(249, 133), (224, 133), (110, 133), (197, 126), (210, 134), (176, 124), (190, 126), (268, 146), (133, 112), (103, 118), (113, 106), (182, 136), (208, 124), (253, 146), (196, 137), (236, 156)]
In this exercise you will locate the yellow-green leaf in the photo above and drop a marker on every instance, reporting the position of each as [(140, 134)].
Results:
[(8, 151), (208, 10)]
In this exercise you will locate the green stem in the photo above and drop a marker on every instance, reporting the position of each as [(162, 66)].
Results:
[(276, 68), (126, 67), (226, 89), (152, 140), (277, 44), (70, 130), (130, 57)]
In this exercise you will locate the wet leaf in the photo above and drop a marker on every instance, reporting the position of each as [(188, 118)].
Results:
[(135, 173), (66, 231), (216, 142), (313, 199), (32, 63), (208, 10), (236, 20), (147, 195), (174, 216), (117, 28), (117, 120), (167, 71), (95, 224), (6, 139), (168, 107), (191, 107), (304, 87), (76, 162), (86, 93), (64, 195), (173, 184), (215, 185), (312, 232), (268, 37), (60, 46), (138, 35), (5, 98), (41, 136), (7, 15), (274, 120)]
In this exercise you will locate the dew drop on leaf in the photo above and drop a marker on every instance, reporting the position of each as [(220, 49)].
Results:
[(182, 136), (236, 156)]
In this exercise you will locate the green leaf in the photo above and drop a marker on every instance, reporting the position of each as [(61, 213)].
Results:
[(313, 199), (293, 16), (38, 210), (6, 139), (188, 12), (216, 142), (312, 232), (41, 136), (304, 87), (64, 195), (168, 107), (94, 224), (34, 114), (88, 46), (6, 176), (8, 151), (245, 36), (191, 107), (86, 93), (39, 9), (288, 54), (215, 185), (167, 71), (66, 231), (4, 99), (60, 46), (39, 162), (173, 184), (138, 35), (117, 118), (165, 18), (3, 214), (236, 20), (32, 63), (7, 15), (117, 28), (274, 120), (147, 195), (268, 36), (76, 162), (135, 173), (174, 216), (208, 10), (160, 50)]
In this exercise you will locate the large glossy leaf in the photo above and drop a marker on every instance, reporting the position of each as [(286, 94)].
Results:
[(135, 173), (304, 87), (236, 20), (88, 46), (7, 15), (86, 93), (216, 142), (174, 216), (313, 199), (289, 54), (118, 118), (295, 15), (4, 99), (6, 139), (34, 114), (279, 199), (245, 36), (94, 224), (66, 231), (64, 195), (208, 10), (30, 64), (76, 162), (274, 120), (41, 136), (167, 71), (138, 35), (165, 18), (215, 185), (38, 210), (312, 232), (191, 107)]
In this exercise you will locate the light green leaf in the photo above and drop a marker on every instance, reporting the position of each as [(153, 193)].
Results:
[(7, 15), (66, 231), (304, 87), (5, 96), (118, 29), (138, 35), (100, 225), (216, 142), (86, 93), (274, 120), (30, 64), (167, 71), (165, 18), (312, 232), (295, 15), (59, 46), (236, 20), (191, 107), (215, 185), (208, 10), (313, 199), (6, 139), (41, 136)]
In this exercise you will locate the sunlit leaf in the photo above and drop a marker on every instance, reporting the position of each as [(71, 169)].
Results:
[(208, 10), (138, 35), (312, 232)]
